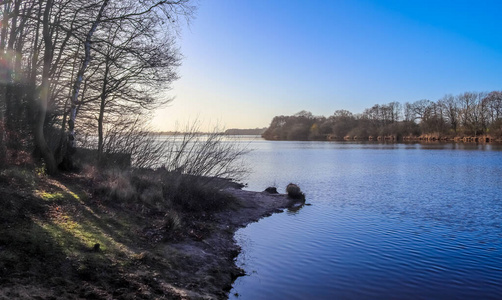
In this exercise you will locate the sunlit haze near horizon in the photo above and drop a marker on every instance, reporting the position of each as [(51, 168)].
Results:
[(248, 61)]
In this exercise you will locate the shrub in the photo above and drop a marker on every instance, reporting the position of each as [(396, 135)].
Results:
[(120, 188), (271, 190), (171, 221), (294, 191), (18, 176), (154, 197), (161, 190), (192, 194), (209, 155)]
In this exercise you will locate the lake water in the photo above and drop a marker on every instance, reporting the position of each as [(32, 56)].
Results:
[(387, 221)]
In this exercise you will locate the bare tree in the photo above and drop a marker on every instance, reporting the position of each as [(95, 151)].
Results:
[(137, 59), (43, 98), (395, 110), (53, 51), (493, 102), (419, 109), (450, 110), (134, 73), (78, 81)]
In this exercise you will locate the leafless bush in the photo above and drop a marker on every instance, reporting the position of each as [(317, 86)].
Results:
[(202, 156), (294, 191), (209, 155), (136, 139)]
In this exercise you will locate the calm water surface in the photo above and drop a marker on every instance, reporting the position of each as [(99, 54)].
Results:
[(387, 221)]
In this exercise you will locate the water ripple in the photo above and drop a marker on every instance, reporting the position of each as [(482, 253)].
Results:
[(387, 222)]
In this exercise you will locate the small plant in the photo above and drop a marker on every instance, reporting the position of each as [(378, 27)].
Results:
[(271, 190), (117, 186), (172, 221), (294, 192)]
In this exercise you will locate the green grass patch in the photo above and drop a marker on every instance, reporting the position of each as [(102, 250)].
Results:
[(51, 196)]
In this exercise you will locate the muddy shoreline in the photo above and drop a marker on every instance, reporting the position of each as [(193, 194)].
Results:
[(216, 253)]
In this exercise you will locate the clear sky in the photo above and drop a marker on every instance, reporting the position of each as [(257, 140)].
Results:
[(247, 61)]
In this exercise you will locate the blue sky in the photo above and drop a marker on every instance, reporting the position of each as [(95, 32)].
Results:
[(248, 61)]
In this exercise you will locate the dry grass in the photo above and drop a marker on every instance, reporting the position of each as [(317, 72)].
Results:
[(52, 225), (157, 191)]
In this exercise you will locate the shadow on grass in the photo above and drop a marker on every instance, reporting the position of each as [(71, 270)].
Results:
[(59, 243), (102, 236)]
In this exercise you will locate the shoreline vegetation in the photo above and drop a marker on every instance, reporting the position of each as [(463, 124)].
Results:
[(122, 234), (148, 220), (469, 117)]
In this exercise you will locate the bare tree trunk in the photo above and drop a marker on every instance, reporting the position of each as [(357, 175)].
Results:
[(3, 78), (5, 24), (61, 149), (3, 82), (102, 111), (3, 152), (44, 95), (12, 93), (76, 86)]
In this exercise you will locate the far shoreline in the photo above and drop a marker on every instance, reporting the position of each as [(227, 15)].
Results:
[(404, 140)]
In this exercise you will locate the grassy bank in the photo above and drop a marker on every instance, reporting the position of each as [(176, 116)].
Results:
[(113, 234)]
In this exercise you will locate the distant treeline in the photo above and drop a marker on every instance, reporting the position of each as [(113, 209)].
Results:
[(232, 131), (255, 131), (467, 116)]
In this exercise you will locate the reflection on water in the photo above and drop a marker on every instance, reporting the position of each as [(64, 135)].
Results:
[(387, 221)]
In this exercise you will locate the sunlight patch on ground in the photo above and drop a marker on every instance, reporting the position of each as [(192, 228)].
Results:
[(49, 196), (64, 226)]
